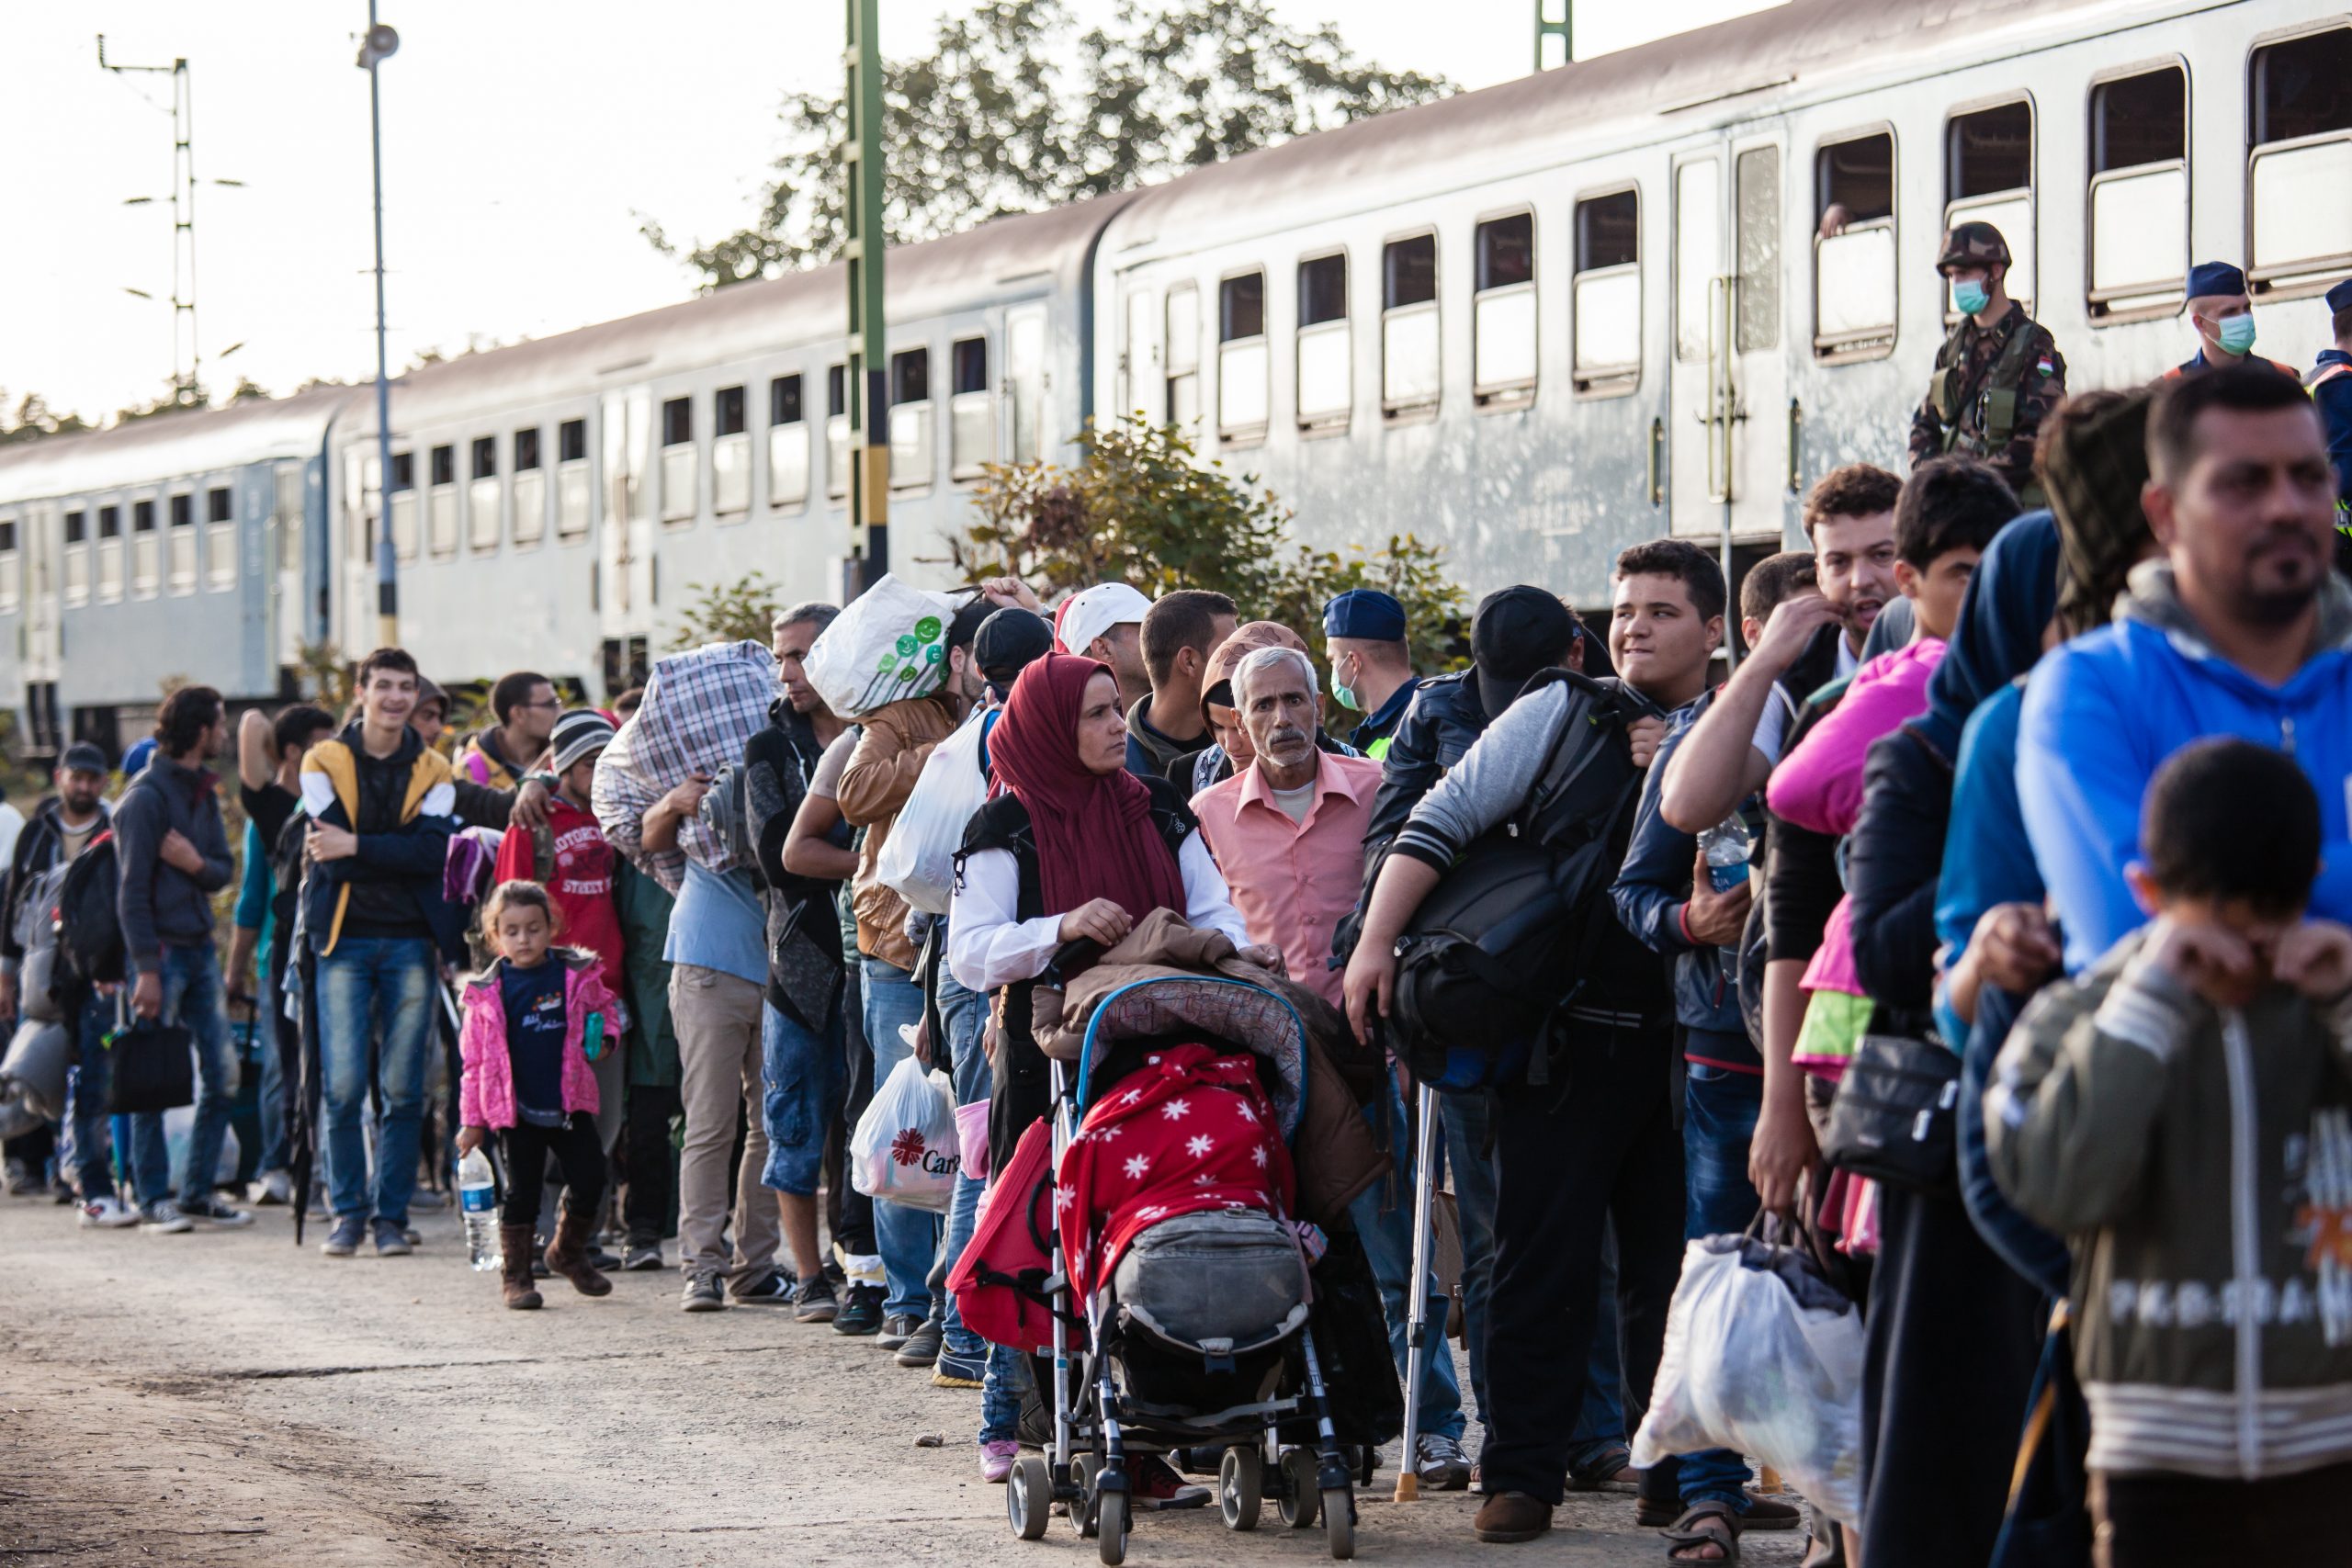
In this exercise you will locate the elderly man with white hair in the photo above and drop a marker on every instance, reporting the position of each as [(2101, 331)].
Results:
[(1288, 833)]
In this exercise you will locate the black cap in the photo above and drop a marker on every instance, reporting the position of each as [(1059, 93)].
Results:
[(1009, 641), (82, 757), (1516, 632), (965, 625)]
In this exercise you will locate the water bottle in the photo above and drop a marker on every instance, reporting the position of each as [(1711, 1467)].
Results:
[(477, 1197), (1726, 847)]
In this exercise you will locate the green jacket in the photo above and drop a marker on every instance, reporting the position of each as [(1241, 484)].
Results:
[(644, 905), (2200, 1163)]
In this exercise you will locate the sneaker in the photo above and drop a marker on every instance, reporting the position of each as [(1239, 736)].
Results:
[(813, 1301), (391, 1239), (349, 1231), (702, 1292), (860, 1311), (1441, 1463), (770, 1287), (996, 1459), (216, 1213), (957, 1370), (643, 1259), (412, 1236), (163, 1218), (922, 1347), (22, 1180), (1154, 1484), (897, 1330), (600, 1261), (274, 1190), (63, 1194), (108, 1214)]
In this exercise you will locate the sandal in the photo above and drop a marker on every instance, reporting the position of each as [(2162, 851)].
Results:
[(1692, 1530), (1825, 1550)]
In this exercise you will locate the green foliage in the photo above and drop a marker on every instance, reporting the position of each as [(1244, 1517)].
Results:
[(728, 612), (326, 676), (34, 419), (1015, 110), (1413, 573)]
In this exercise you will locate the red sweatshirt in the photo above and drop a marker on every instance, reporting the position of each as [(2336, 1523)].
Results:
[(581, 883)]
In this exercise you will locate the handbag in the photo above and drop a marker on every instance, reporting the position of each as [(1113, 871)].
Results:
[(1896, 1113), (154, 1068)]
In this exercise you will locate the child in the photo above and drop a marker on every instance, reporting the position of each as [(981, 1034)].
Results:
[(527, 1076), (2182, 1113)]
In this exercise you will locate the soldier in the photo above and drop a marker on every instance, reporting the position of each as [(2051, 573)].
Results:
[(2330, 384), (2223, 315), (1997, 375)]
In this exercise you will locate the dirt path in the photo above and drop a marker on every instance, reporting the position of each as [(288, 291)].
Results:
[(222, 1398)]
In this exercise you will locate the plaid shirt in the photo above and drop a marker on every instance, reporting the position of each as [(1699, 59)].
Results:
[(700, 709)]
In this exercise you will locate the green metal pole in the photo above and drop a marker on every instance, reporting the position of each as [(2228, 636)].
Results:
[(1561, 29), (869, 361)]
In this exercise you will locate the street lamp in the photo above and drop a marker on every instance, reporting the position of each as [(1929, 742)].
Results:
[(380, 45)]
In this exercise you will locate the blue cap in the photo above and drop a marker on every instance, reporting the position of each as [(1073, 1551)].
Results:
[(2214, 277), (1365, 613), (2340, 296)]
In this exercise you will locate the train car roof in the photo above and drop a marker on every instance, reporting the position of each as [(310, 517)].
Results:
[(1555, 114), (168, 446)]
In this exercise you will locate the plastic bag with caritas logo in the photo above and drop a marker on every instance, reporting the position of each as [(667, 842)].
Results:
[(905, 1146)]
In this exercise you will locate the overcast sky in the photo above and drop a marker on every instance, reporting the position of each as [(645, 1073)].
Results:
[(519, 138)]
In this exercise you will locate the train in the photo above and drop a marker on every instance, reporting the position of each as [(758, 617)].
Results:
[(1659, 291)]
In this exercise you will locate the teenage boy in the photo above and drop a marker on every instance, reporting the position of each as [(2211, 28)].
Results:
[(2183, 1115), (527, 707), (1179, 632)]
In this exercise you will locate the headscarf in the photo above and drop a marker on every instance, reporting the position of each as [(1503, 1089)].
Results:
[(2009, 603), (1095, 838)]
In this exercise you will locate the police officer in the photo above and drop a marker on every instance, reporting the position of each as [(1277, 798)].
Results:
[(2330, 383), (1371, 667), (2222, 313), (1997, 375)]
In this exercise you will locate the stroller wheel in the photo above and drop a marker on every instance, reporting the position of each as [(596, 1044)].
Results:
[(1111, 1528), (1029, 1496), (1340, 1523), (1296, 1499), (1240, 1488)]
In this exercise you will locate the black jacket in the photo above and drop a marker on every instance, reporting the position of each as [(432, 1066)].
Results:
[(1443, 721), (159, 902), (1894, 860), (804, 966), (38, 847)]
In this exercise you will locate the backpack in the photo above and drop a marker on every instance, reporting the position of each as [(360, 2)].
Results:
[(36, 935), (89, 930), (1001, 1281), (1507, 935)]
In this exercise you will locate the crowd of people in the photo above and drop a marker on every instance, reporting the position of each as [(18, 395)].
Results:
[(2055, 796)]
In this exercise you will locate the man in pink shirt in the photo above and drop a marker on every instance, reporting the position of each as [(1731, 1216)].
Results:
[(1288, 833)]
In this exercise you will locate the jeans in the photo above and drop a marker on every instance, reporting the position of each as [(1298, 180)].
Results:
[(803, 1072), (193, 997), (652, 1174), (1719, 1112), (273, 1090), (907, 1238), (374, 990), (151, 1164), (1388, 1245)]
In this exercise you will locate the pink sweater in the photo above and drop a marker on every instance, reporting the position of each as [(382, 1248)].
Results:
[(486, 1091)]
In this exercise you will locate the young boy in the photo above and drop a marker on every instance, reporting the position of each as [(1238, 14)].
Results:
[(2183, 1113)]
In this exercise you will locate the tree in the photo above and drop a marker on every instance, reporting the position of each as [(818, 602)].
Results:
[(34, 419), (1014, 110), (741, 611)]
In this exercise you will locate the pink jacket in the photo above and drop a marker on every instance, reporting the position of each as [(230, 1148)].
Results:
[(1818, 786), (486, 1091)]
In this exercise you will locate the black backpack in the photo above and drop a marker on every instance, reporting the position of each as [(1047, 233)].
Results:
[(89, 929), (1500, 948)]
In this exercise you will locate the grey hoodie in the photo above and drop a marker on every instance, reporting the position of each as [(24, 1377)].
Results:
[(160, 903)]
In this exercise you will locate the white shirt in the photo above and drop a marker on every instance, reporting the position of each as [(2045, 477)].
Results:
[(988, 947), (1772, 724)]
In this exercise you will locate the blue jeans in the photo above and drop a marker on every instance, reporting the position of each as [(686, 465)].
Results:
[(907, 1238), (193, 998), (150, 1161), (804, 1085), (1719, 1112), (273, 1085), (1388, 1244), (374, 991)]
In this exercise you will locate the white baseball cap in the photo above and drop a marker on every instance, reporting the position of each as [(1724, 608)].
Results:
[(1093, 611)]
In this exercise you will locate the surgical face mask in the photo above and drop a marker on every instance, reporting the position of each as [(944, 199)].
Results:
[(2234, 333), (1971, 296), (1344, 693)]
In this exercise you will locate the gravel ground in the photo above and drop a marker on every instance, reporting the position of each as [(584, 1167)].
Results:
[(222, 1398)]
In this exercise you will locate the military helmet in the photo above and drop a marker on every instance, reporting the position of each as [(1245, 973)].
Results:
[(1973, 244)]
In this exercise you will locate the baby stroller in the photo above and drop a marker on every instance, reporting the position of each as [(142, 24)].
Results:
[(1202, 1343)]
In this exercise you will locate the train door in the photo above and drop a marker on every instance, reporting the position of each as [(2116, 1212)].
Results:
[(1145, 386), (1027, 382), (630, 581), (1729, 431)]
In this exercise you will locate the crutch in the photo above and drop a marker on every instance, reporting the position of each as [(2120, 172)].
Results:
[(1416, 1320)]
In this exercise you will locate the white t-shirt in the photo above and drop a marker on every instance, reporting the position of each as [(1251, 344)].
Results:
[(1295, 803), (1779, 708)]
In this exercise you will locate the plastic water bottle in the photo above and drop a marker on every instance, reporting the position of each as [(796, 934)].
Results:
[(477, 1197), (1726, 847)]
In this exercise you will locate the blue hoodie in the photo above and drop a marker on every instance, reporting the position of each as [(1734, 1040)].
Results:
[(2105, 710)]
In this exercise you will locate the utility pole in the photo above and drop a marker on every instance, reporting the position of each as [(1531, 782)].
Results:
[(380, 45), (869, 359), (1555, 19), (186, 384)]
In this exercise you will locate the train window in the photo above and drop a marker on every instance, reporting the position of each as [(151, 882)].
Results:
[(1854, 292), (530, 489), (109, 573), (76, 527), (402, 490), (441, 503), (181, 546), (678, 471), (219, 539), (572, 479), (109, 521), (143, 516), (571, 441), (1503, 311), (527, 449), (182, 510), (677, 421), (1244, 369), (910, 420), (482, 495), (1698, 255), (485, 457), (1756, 213), (1326, 357), (1606, 294), (9, 591), (1411, 364), (727, 412), (2299, 227), (1988, 178), (971, 417), (146, 553), (787, 444), (731, 454), (2139, 194), (837, 431), (1183, 355), (445, 465)]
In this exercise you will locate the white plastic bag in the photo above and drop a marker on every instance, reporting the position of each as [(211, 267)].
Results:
[(905, 1147), (919, 857), (1761, 1361), (890, 643)]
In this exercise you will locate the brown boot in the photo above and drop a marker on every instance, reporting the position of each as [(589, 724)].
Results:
[(568, 1255), (515, 1261)]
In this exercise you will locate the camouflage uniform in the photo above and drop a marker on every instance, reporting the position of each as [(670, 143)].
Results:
[(1991, 387)]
